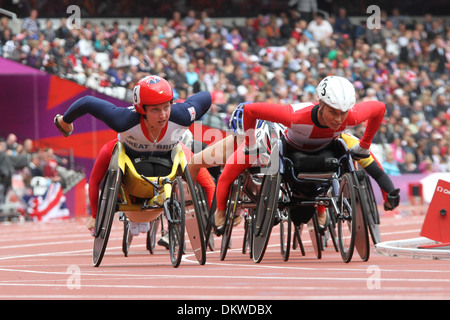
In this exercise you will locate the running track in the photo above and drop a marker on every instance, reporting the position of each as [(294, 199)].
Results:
[(53, 261)]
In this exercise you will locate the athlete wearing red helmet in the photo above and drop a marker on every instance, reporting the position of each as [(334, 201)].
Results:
[(153, 127), (151, 90)]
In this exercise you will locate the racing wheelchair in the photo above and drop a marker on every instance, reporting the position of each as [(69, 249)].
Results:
[(338, 190), (145, 199)]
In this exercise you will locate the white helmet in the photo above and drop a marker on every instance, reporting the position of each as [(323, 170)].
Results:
[(337, 92)]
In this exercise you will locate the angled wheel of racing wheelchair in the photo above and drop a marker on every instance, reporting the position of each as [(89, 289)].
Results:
[(352, 231), (107, 207), (345, 222), (204, 215), (269, 195), (265, 214), (194, 225), (371, 211), (362, 244)]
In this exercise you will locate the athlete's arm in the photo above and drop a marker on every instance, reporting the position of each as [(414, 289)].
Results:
[(265, 111), (117, 118), (373, 112)]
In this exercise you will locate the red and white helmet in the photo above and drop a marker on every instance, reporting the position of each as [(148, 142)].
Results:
[(151, 90)]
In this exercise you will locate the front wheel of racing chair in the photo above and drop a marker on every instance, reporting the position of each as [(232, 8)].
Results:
[(151, 234), (285, 232)]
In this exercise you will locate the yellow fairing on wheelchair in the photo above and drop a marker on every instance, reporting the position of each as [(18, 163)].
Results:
[(138, 198)]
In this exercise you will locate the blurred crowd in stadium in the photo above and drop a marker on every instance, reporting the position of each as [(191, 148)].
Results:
[(271, 57)]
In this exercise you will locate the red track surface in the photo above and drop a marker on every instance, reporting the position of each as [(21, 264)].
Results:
[(53, 261)]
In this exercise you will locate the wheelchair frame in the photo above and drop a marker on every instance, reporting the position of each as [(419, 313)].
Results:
[(340, 192)]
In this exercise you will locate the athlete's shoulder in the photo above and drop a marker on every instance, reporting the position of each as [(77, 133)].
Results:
[(191, 109)]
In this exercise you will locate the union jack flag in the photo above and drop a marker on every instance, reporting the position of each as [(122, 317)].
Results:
[(49, 203), (192, 112)]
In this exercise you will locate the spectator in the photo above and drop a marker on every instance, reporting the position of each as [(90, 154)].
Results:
[(85, 43), (427, 166), (31, 25), (49, 31), (409, 166), (342, 24), (397, 150), (320, 29), (306, 8), (35, 166), (234, 37), (11, 145), (273, 32), (6, 169), (390, 166)]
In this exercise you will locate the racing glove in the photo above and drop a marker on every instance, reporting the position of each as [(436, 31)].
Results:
[(392, 200), (359, 153)]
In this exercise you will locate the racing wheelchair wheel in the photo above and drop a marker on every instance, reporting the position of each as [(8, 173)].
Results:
[(176, 219), (347, 217), (362, 211), (193, 219), (265, 214), (204, 214), (105, 212), (372, 215)]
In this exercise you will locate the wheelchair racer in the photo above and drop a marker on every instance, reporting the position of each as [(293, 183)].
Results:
[(153, 126), (311, 129)]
